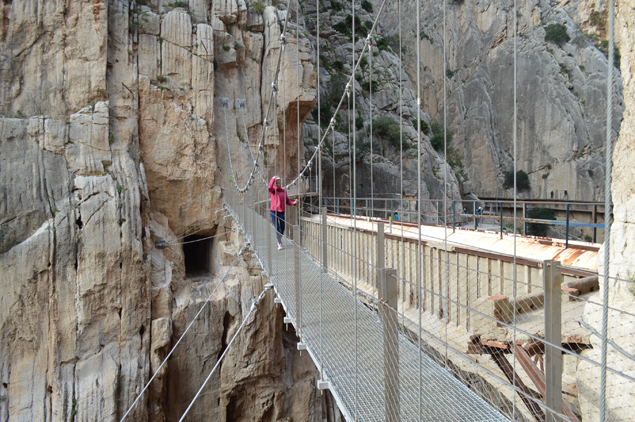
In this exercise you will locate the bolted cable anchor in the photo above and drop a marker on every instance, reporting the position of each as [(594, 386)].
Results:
[(241, 103), (224, 102), (160, 244)]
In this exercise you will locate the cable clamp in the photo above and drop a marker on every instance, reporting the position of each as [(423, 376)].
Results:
[(369, 40), (265, 123), (283, 39), (274, 86), (348, 89), (419, 100), (332, 124)]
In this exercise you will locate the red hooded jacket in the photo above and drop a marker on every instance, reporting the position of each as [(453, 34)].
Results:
[(279, 197)]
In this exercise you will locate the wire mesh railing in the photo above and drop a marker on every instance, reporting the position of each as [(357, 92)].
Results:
[(466, 334)]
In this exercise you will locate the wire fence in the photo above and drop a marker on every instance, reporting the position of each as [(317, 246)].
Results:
[(403, 328)]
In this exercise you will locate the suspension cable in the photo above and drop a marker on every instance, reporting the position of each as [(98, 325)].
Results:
[(185, 332), (608, 217), (420, 258), (254, 305)]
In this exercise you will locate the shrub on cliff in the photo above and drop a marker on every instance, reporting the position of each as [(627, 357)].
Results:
[(522, 180), (556, 33)]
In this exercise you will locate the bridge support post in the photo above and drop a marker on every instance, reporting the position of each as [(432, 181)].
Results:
[(298, 292), (566, 246), (553, 336), (453, 215), (525, 225), (388, 296), (501, 207), (381, 254), (325, 264)]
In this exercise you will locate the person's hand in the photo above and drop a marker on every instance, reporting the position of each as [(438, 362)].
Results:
[(295, 202)]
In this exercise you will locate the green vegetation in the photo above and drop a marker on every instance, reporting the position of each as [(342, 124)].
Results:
[(367, 6), (259, 7), (437, 136), (119, 188), (161, 78), (226, 47), (359, 122), (539, 213), (522, 180), (425, 36), (597, 20), (604, 48), (183, 4), (336, 6), (424, 126), (557, 33), (391, 41), (387, 128)]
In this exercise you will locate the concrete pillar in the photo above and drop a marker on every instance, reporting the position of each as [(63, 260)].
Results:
[(553, 336)]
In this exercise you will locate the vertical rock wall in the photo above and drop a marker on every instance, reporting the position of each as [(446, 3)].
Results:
[(621, 323), (111, 139)]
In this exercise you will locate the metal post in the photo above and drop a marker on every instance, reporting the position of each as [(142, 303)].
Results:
[(438, 213), (595, 220), (525, 225), (474, 213), (553, 336), (453, 215), (567, 234), (388, 295), (325, 265), (381, 254), (501, 205), (296, 266), (338, 205)]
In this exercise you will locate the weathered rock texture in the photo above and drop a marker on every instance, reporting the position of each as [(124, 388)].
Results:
[(561, 93), (621, 323), (111, 139)]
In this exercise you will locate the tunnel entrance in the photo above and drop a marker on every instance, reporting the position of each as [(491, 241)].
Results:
[(197, 251)]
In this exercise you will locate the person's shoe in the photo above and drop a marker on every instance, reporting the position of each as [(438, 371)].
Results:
[(279, 246)]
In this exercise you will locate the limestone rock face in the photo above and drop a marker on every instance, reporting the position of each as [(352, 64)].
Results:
[(561, 94), (111, 140), (621, 324)]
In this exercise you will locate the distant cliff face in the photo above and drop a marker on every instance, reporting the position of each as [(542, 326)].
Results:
[(112, 138), (561, 91)]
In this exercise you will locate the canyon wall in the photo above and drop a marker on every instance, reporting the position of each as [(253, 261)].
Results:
[(112, 138)]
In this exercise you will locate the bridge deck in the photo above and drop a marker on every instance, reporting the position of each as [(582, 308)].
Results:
[(353, 362)]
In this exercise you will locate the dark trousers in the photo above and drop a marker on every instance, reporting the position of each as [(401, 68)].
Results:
[(278, 222)]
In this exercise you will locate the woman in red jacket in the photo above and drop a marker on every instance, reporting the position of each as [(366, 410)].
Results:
[(279, 199)]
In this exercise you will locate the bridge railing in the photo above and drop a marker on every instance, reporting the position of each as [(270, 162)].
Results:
[(571, 221), (522, 335)]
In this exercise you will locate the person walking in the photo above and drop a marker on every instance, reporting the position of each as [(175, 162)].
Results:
[(279, 199)]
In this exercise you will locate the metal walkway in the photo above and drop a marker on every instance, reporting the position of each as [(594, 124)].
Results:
[(328, 326)]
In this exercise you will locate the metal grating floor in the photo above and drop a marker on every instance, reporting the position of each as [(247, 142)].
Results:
[(329, 312)]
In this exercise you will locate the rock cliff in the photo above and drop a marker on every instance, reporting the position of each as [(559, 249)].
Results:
[(621, 323), (111, 139), (561, 90)]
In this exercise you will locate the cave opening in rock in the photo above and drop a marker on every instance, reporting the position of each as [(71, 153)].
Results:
[(197, 252)]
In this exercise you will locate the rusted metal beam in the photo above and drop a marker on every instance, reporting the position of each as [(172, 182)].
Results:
[(508, 370), (538, 378)]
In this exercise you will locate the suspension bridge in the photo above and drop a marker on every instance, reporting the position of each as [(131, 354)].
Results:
[(424, 321)]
